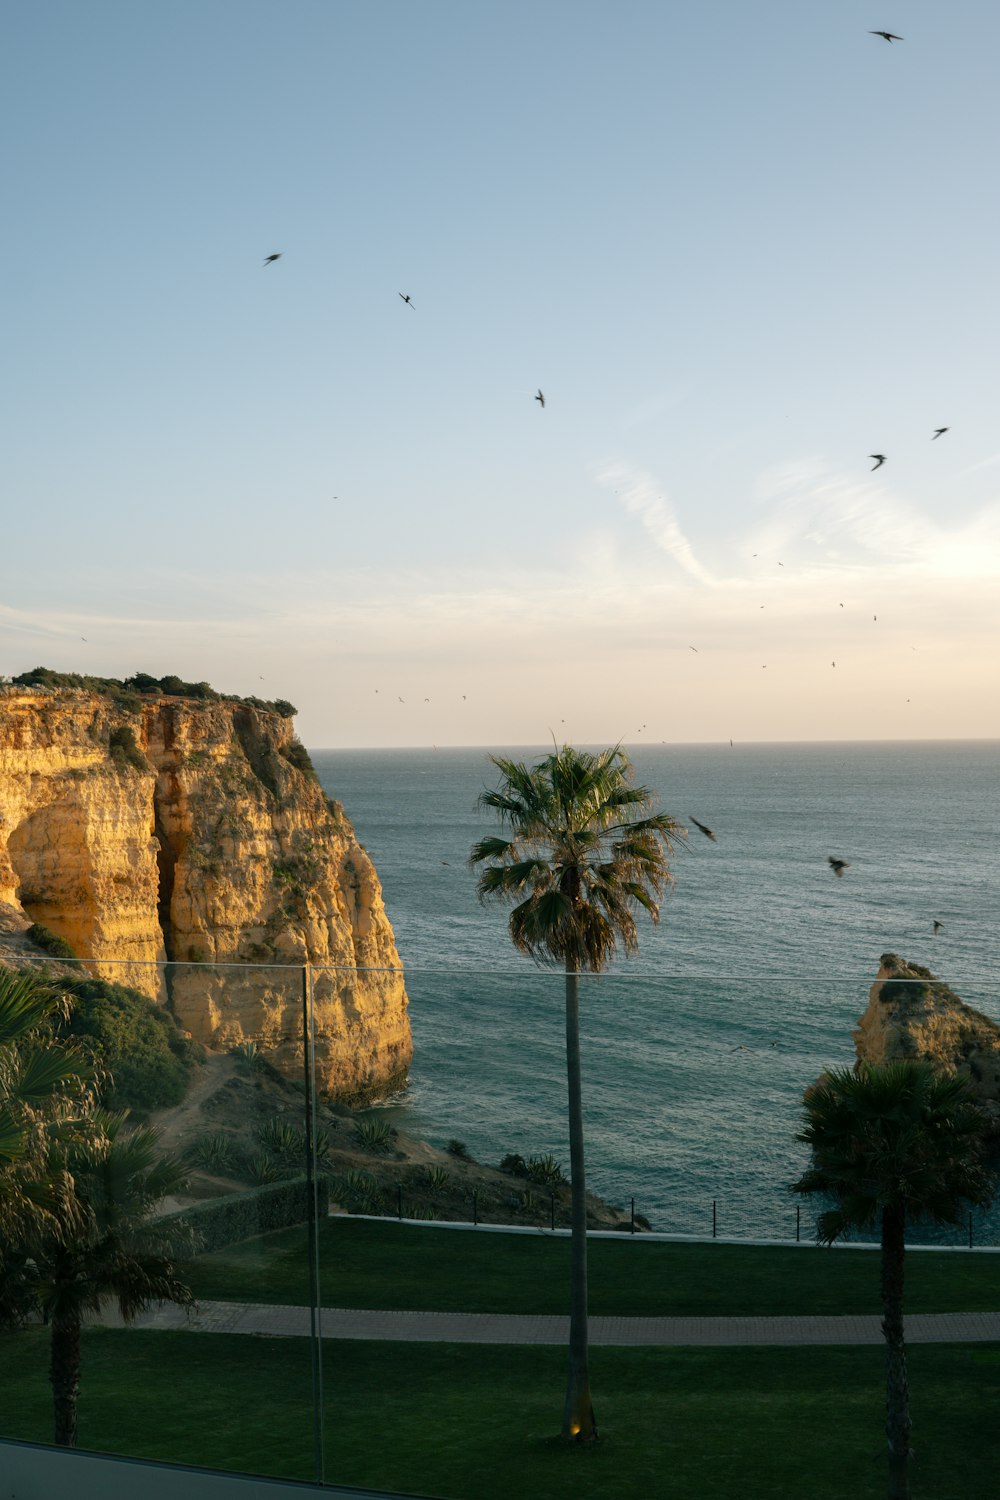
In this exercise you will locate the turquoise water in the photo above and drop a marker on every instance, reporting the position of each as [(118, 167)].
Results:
[(697, 1051)]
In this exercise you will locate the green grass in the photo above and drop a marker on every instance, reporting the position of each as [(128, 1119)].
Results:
[(387, 1265), (461, 1421)]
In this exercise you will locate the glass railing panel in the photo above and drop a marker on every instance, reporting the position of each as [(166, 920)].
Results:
[(693, 1098), (283, 1092), (193, 1212)]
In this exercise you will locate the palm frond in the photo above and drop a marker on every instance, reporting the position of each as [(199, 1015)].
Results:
[(586, 846)]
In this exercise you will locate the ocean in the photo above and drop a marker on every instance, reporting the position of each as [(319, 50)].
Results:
[(695, 1052)]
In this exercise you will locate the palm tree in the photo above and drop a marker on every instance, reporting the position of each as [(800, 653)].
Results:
[(892, 1143), (118, 1252), (45, 1098), (584, 851)]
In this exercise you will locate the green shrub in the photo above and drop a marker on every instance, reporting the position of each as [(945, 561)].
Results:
[(42, 937), (282, 1139), (214, 1153), (437, 1178), (263, 1168), (137, 1040), (514, 1164), (298, 756), (459, 1149), (240, 1216), (126, 693), (359, 1193), (544, 1170), (249, 1058), (124, 748), (374, 1135)]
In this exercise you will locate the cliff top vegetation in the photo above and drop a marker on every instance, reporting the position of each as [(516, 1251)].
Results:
[(130, 692)]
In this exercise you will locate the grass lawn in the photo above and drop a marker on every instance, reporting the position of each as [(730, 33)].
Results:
[(460, 1421), (390, 1265)]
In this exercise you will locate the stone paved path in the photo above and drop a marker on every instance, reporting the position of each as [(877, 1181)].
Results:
[(502, 1328)]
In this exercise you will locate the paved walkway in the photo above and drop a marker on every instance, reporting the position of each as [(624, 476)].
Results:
[(501, 1328)]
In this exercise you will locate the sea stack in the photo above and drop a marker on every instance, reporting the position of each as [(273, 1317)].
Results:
[(913, 1015), (151, 828)]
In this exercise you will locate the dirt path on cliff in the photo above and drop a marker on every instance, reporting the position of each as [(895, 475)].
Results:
[(182, 1123), (240, 1109)]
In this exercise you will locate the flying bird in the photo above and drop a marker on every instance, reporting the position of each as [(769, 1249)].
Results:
[(704, 828), (541, 397), (879, 461), (694, 649), (937, 926), (838, 866), (890, 36), (938, 431), (408, 300), (270, 259)]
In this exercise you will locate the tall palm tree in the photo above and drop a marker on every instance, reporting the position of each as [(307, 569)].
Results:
[(584, 850), (892, 1143), (117, 1252)]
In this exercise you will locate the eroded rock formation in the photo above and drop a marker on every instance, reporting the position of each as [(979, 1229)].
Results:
[(195, 833), (913, 1015)]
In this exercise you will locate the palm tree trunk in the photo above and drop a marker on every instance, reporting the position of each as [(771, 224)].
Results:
[(897, 1391), (64, 1372), (578, 1415)]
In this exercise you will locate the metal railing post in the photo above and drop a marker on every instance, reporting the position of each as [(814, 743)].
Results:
[(713, 1218), (632, 1225), (798, 1222)]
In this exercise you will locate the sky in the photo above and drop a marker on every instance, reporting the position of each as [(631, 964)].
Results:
[(739, 248)]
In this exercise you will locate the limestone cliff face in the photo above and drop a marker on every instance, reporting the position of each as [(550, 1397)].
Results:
[(913, 1015), (191, 832)]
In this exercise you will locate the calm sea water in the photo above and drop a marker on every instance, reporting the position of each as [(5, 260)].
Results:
[(697, 1051)]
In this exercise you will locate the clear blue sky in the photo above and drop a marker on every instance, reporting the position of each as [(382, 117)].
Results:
[(739, 247)]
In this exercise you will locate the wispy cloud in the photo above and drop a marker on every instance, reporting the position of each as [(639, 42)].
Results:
[(640, 496), (845, 521)]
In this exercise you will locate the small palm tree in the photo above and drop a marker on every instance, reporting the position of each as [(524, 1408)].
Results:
[(893, 1143), (116, 1252), (45, 1098), (584, 851)]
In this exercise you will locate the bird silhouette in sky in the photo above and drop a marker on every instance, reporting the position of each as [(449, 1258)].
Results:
[(838, 866), (408, 300), (890, 36), (270, 259), (704, 829), (541, 397), (938, 431), (879, 461), (694, 649)]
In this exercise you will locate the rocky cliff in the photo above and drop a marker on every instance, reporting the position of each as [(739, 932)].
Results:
[(912, 1014), (161, 829)]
